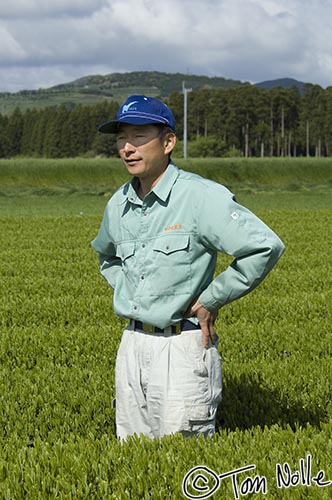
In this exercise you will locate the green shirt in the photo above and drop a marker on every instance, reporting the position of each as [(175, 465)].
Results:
[(160, 254)]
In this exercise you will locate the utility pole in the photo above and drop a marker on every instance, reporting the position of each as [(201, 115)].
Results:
[(185, 106)]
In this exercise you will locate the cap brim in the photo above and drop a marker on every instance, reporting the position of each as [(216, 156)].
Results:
[(110, 127)]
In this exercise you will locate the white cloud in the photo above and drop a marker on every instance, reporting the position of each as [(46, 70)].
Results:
[(10, 49), (245, 39), (22, 9)]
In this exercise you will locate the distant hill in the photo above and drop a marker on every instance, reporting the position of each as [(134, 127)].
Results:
[(285, 83), (92, 89), (161, 83), (115, 86)]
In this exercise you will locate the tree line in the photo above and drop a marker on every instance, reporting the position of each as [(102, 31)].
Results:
[(56, 132), (241, 121), (252, 121)]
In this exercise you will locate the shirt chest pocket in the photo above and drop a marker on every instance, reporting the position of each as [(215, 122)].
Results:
[(168, 245), (171, 263), (126, 251)]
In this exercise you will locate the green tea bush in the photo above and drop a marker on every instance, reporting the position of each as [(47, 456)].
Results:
[(58, 343)]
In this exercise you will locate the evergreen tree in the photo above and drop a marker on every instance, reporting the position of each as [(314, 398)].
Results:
[(4, 146), (30, 119), (261, 130), (55, 122), (201, 108), (311, 119), (175, 102), (39, 131), (218, 117), (327, 122), (14, 132)]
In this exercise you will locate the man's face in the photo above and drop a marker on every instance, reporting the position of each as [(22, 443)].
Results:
[(143, 150)]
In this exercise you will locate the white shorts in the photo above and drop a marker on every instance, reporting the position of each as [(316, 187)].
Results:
[(166, 384)]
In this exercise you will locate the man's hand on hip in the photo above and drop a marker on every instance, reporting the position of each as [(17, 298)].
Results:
[(206, 320)]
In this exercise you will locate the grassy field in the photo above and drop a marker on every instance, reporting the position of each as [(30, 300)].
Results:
[(34, 187), (59, 337)]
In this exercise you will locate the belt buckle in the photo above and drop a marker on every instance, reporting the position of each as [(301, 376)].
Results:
[(148, 328), (176, 329)]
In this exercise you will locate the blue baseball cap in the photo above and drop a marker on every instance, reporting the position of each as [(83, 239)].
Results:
[(140, 110)]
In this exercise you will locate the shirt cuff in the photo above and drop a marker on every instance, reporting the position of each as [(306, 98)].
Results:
[(209, 301)]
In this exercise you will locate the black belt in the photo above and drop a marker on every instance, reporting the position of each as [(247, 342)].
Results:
[(179, 327)]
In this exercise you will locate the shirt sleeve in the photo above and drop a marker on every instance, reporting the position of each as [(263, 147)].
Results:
[(225, 226), (110, 264)]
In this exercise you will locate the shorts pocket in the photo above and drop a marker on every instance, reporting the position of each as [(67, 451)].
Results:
[(202, 420), (200, 414), (195, 353)]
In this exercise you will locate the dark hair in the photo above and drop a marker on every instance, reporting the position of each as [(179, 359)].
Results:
[(164, 130)]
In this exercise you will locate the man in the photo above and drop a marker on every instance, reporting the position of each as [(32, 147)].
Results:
[(158, 244)]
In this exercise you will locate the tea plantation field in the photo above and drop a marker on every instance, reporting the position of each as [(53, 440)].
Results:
[(59, 337)]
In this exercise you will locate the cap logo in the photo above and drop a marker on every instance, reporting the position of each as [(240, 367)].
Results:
[(126, 107)]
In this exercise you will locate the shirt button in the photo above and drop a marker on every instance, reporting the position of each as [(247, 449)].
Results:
[(142, 277), (143, 245), (135, 308)]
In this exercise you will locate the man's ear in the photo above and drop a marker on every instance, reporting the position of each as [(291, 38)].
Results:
[(169, 143)]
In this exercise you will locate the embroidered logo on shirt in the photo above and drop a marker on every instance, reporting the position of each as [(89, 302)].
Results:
[(173, 228)]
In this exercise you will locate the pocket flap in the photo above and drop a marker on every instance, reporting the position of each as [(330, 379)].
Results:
[(202, 413), (125, 249), (174, 243)]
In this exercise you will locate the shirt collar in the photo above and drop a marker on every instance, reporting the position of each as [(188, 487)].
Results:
[(165, 183), (161, 189), (131, 194)]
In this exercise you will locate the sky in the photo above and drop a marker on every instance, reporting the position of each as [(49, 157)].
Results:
[(48, 42)]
